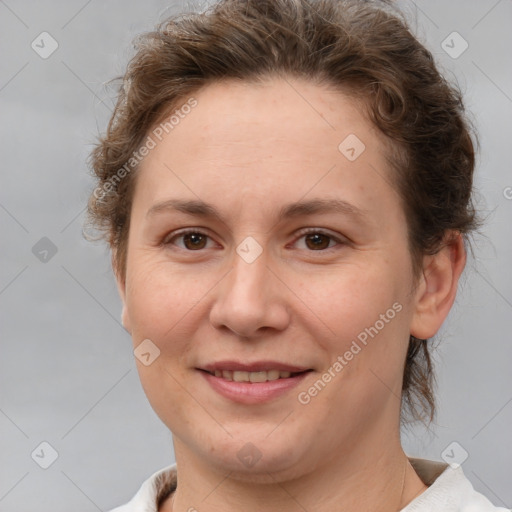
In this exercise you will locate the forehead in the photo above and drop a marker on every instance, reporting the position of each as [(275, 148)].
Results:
[(285, 136), (295, 113)]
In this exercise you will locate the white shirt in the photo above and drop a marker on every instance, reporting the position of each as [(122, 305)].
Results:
[(449, 491)]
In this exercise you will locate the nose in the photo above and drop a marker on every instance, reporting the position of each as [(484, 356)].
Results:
[(250, 300)]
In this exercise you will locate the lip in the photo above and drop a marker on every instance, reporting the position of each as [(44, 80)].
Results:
[(254, 392), (256, 366)]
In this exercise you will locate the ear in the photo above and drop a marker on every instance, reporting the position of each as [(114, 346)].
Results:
[(437, 286), (121, 287)]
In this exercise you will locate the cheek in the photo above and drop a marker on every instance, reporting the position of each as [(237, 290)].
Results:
[(160, 305), (164, 386), (365, 306), (161, 297), (354, 299)]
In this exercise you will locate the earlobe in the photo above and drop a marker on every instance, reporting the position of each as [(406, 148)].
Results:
[(438, 285), (121, 287), (125, 319)]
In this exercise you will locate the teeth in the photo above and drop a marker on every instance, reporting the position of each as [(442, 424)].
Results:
[(264, 376), (273, 375), (241, 376), (258, 376)]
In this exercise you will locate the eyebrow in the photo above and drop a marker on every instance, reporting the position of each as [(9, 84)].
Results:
[(292, 210)]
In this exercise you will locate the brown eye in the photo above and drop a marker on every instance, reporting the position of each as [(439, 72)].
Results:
[(189, 240), (317, 241), (194, 241)]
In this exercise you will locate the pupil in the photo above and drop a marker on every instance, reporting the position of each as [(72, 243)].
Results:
[(318, 243), (195, 239)]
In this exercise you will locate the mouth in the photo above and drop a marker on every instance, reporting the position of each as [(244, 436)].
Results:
[(253, 383), (260, 376)]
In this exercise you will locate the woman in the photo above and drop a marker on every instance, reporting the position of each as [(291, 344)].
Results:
[(286, 189)]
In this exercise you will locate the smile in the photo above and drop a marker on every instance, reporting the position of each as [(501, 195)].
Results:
[(252, 387), (261, 376)]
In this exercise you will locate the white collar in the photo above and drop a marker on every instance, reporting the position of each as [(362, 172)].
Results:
[(449, 490)]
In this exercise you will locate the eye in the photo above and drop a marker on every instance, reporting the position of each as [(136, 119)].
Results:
[(318, 240), (193, 240)]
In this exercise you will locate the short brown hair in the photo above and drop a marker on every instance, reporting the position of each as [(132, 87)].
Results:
[(362, 48)]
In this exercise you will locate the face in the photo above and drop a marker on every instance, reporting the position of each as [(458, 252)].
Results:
[(303, 271)]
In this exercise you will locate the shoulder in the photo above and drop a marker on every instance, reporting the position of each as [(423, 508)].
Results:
[(152, 491), (449, 490)]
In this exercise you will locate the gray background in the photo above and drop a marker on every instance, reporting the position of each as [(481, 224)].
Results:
[(66, 368)]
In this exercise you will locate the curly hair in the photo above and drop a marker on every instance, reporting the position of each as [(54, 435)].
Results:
[(362, 48)]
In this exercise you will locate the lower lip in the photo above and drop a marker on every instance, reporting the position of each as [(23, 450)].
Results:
[(252, 392)]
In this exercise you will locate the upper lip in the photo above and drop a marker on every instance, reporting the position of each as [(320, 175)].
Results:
[(256, 366)]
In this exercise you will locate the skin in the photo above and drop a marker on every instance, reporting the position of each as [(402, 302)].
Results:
[(249, 149)]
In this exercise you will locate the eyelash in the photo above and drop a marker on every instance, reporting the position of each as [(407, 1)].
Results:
[(168, 241)]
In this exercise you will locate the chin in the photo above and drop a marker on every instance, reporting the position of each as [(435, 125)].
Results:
[(260, 460)]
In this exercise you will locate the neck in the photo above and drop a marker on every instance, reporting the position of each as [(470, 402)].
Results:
[(378, 481)]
